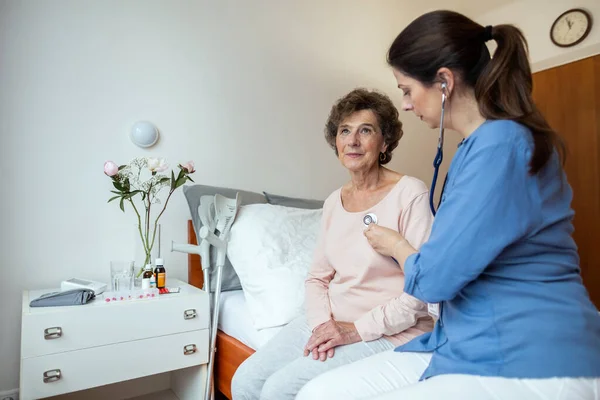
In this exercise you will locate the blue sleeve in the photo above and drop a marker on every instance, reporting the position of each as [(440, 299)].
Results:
[(491, 204)]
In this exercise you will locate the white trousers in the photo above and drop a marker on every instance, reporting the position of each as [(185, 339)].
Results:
[(395, 376), (279, 369)]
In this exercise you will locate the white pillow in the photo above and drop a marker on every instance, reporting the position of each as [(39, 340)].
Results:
[(271, 248)]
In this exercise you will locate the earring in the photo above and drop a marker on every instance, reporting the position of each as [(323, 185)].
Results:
[(382, 157)]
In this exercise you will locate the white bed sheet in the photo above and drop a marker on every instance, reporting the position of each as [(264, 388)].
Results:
[(235, 320)]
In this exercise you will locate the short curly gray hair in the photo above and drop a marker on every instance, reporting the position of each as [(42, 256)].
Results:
[(363, 99)]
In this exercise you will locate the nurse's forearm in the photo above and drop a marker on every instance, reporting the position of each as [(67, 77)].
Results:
[(402, 250)]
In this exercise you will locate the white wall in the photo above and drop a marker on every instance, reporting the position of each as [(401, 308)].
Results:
[(535, 17), (242, 88)]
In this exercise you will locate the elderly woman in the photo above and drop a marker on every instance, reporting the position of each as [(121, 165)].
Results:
[(355, 306)]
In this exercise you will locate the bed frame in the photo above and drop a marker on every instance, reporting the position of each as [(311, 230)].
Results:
[(230, 351)]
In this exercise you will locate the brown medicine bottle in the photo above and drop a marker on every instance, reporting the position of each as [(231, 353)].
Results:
[(147, 277), (160, 273)]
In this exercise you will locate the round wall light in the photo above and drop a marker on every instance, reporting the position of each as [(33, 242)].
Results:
[(144, 134)]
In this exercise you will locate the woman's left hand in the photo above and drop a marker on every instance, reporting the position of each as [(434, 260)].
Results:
[(383, 240), (330, 335)]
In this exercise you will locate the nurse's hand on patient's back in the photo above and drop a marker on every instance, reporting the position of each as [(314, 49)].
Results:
[(329, 335)]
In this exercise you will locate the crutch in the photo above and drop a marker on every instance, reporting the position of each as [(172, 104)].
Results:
[(217, 215)]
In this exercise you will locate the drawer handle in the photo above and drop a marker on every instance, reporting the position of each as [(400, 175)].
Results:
[(189, 314), (189, 349), (52, 376), (52, 333)]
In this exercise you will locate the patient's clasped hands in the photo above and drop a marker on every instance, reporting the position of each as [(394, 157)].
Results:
[(327, 336)]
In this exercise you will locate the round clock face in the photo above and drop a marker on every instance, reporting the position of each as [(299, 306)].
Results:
[(571, 28)]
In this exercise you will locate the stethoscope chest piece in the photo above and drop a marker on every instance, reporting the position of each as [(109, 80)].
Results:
[(370, 218)]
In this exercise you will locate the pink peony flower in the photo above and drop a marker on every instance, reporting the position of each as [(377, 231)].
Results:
[(189, 167), (110, 168)]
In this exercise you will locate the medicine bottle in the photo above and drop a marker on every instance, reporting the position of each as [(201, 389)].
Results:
[(147, 277), (160, 274)]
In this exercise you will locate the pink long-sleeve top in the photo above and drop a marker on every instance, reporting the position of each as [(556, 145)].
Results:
[(349, 281)]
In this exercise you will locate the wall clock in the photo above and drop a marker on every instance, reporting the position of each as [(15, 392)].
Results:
[(571, 27)]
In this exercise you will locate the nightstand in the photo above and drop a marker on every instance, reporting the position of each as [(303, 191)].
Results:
[(67, 349)]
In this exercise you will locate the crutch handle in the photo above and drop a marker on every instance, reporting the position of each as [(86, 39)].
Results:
[(211, 238)]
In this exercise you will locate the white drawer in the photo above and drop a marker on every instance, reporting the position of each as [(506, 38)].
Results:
[(100, 324), (109, 364)]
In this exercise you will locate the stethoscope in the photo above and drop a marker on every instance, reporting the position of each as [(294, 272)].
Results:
[(370, 218), (437, 161)]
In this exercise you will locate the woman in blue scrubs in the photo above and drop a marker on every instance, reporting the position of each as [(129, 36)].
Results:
[(500, 269)]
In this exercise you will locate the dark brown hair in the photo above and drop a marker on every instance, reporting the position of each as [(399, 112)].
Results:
[(362, 99), (502, 84)]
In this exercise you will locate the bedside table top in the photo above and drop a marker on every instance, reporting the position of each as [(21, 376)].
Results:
[(185, 290)]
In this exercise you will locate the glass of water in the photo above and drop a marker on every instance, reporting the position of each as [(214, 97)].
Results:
[(121, 275)]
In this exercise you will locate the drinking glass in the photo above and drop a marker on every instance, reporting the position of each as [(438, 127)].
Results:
[(121, 275)]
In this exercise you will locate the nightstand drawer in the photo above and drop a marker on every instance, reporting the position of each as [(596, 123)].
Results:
[(50, 331), (77, 370)]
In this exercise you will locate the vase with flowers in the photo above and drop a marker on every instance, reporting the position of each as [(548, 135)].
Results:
[(142, 181)]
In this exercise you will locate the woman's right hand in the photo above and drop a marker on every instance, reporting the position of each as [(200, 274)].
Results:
[(318, 338), (329, 335), (383, 240)]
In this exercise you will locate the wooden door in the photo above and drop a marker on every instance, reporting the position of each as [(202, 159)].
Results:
[(569, 97)]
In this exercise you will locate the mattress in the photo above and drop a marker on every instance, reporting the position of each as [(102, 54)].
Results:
[(235, 320)]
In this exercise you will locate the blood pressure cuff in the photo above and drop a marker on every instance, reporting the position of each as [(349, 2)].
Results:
[(73, 297)]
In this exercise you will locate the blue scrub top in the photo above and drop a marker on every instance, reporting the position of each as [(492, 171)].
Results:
[(503, 266)]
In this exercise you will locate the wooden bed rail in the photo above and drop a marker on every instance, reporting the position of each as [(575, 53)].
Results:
[(195, 275)]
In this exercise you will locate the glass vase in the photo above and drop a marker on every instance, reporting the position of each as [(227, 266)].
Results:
[(145, 252)]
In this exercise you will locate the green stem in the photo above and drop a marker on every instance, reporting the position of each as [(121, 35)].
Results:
[(161, 213), (148, 247), (165, 206), (141, 237), (138, 217)]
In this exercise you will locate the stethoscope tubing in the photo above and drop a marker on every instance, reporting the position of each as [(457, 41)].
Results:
[(439, 156)]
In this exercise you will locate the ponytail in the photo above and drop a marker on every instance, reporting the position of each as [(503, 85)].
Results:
[(504, 91), (502, 84)]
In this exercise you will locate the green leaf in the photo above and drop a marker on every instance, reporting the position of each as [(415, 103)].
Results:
[(131, 194), (181, 181), (172, 180), (121, 205), (113, 198), (115, 192), (163, 180), (121, 167), (118, 186), (190, 179)]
